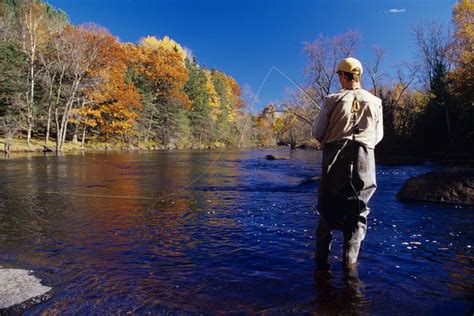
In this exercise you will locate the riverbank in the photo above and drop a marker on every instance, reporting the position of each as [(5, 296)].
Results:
[(20, 145)]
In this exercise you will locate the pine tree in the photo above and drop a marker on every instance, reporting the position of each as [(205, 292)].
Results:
[(197, 93)]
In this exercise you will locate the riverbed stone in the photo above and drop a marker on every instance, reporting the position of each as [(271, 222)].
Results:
[(18, 286), (452, 186), (271, 157)]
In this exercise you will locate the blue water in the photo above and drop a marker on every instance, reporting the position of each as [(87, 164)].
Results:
[(221, 232)]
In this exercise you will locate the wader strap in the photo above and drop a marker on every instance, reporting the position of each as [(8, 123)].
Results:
[(354, 154)]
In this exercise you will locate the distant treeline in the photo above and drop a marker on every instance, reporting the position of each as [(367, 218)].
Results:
[(428, 104), (64, 82)]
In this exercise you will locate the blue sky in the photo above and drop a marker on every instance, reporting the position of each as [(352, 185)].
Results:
[(245, 38)]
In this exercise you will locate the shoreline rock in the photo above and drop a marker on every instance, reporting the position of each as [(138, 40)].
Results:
[(19, 286), (450, 186)]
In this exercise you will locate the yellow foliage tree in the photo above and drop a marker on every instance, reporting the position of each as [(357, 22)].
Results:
[(463, 48), (165, 43), (214, 100)]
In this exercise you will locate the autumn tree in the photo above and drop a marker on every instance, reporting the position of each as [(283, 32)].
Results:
[(75, 50), (228, 92), (396, 107), (462, 76), (160, 72), (111, 103), (214, 100), (247, 133), (265, 125), (63, 80)]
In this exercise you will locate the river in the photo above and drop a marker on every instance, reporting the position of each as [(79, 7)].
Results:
[(221, 232)]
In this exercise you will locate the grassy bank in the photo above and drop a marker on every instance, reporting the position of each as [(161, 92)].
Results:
[(20, 145)]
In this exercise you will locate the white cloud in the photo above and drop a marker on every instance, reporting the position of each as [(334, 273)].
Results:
[(396, 10)]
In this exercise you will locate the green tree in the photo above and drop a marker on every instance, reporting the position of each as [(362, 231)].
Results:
[(13, 68), (199, 115)]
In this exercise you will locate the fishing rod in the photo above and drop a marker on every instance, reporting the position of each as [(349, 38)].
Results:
[(297, 116), (297, 85)]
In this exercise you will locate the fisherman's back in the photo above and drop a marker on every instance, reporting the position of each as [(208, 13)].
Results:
[(338, 117)]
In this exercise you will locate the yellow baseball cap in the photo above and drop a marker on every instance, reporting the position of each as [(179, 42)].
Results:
[(350, 65)]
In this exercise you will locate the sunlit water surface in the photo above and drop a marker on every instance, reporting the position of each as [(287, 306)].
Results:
[(209, 232)]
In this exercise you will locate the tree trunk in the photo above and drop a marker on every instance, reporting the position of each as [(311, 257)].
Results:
[(74, 135), (48, 125), (50, 106), (58, 134), (67, 111), (28, 135), (448, 125), (31, 105), (83, 136)]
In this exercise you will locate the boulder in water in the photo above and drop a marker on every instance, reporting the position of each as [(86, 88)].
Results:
[(451, 186)]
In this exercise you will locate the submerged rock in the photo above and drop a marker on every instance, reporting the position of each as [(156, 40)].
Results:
[(310, 180), (271, 157), (19, 286), (452, 186)]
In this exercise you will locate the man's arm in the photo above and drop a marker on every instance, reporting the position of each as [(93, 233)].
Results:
[(379, 128), (321, 123)]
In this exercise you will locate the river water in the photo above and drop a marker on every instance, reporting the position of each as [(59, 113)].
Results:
[(221, 232)]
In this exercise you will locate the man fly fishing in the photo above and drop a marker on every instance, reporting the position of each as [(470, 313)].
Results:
[(348, 128)]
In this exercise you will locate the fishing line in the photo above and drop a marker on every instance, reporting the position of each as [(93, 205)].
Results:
[(213, 162)]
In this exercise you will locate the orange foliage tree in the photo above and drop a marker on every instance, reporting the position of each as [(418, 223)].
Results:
[(112, 104)]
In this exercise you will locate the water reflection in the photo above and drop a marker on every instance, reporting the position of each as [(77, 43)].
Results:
[(346, 299), (235, 236)]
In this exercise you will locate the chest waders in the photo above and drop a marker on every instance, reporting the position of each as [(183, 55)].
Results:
[(347, 183)]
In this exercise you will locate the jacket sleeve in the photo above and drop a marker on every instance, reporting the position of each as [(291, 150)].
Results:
[(321, 123), (379, 128)]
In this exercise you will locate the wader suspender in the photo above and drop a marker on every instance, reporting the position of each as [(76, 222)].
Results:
[(355, 130), (355, 127)]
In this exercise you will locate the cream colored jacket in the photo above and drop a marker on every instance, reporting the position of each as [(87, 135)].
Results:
[(334, 122)]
